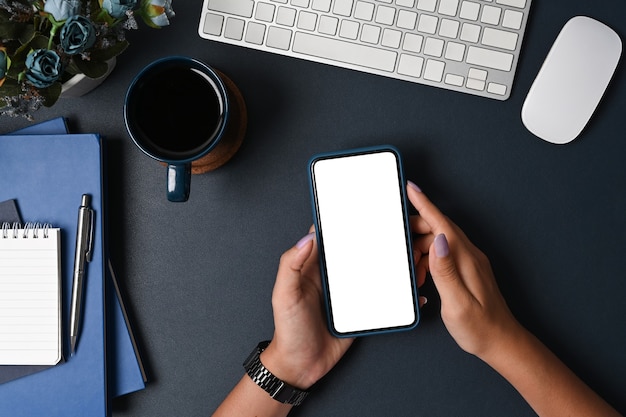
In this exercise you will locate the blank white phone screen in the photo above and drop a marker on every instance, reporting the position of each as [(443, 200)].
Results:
[(364, 242)]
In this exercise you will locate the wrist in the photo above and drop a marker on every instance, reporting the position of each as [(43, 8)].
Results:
[(507, 341), (278, 389), (280, 364)]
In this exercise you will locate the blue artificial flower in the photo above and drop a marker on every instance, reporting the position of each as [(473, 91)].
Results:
[(43, 67), (77, 35), (62, 9), (118, 8)]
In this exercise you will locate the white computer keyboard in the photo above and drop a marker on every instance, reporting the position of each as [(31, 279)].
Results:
[(471, 46)]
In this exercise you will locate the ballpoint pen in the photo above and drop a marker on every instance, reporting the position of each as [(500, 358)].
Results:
[(83, 254)]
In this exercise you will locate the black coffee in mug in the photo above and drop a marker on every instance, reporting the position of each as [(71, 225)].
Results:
[(176, 111)]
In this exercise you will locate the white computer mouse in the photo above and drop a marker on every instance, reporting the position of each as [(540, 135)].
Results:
[(572, 80)]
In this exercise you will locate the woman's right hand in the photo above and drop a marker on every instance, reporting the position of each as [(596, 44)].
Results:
[(476, 315), (472, 307)]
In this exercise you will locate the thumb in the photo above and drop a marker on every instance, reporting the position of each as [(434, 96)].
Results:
[(292, 262), (443, 269)]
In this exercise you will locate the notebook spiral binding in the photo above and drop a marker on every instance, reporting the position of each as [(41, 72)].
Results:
[(12, 231)]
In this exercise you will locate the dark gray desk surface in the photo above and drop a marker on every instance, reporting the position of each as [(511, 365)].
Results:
[(198, 276)]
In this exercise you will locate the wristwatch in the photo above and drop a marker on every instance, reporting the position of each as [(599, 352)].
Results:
[(276, 388)]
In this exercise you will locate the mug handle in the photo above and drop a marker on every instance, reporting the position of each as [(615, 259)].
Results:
[(178, 182)]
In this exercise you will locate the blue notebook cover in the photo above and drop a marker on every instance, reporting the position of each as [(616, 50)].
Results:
[(125, 372), (47, 175)]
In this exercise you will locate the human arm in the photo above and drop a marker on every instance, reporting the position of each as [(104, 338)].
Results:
[(302, 350), (477, 317)]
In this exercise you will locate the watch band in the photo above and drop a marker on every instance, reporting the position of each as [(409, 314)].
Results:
[(276, 388)]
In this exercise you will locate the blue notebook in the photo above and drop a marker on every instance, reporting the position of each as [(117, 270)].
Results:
[(125, 370), (47, 175)]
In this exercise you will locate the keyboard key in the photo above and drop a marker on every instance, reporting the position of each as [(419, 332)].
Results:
[(475, 84), (427, 5), (477, 74), (413, 42), (449, 28), (434, 70), (406, 3), (455, 51), (512, 19), (213, 24), (490, 59), (321, 5), (410, 65), (255, 33), (427, 24), (385, 15), (513, 3), (469, 10), (300, 3), (433, 47), (454, 79), (234, 28), (495, 88), (391, 38), (265, 12), (448, 7), (343, 7), (328, 25), (349, 29), (279, 38), (499, 39), (307, 21), (370, 34), (350, 53), (470, 32), (364, 11), (491, 15), (241, 8), (286, 16), (406, 19)]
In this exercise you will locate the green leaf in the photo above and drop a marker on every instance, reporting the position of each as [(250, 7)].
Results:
[(92, 69), (9, 30), (51, 94), (39, 41), (10, 88), (27, 34), (72, 69)]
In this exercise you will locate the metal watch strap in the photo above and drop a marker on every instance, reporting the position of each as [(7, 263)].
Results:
[(276, 388)]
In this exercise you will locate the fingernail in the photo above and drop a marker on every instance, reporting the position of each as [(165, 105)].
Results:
[(423, 301), (302, 242), (441, 246), (414, 186)]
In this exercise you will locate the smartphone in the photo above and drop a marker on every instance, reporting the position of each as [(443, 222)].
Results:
[(362, 227)]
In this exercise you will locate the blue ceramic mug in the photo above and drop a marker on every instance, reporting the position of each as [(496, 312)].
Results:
[(176, 111)]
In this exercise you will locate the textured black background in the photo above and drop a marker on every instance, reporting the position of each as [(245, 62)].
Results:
[(198, 276)]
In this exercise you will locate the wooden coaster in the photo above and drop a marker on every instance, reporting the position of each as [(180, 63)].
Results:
[(233, 136)]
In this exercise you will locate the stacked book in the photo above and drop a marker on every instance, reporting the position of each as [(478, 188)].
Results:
[(44, 171)]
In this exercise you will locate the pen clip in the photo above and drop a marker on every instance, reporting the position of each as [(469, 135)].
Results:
[(89, 251)]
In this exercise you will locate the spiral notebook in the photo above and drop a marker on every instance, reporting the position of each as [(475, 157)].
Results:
[(47, 175), (30, 295)]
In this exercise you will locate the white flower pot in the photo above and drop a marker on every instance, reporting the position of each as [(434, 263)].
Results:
[(80, 84)]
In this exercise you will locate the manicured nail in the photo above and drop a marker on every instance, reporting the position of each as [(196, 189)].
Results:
[(413, 186), (441, 246), (302, 242), (423, 301)]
